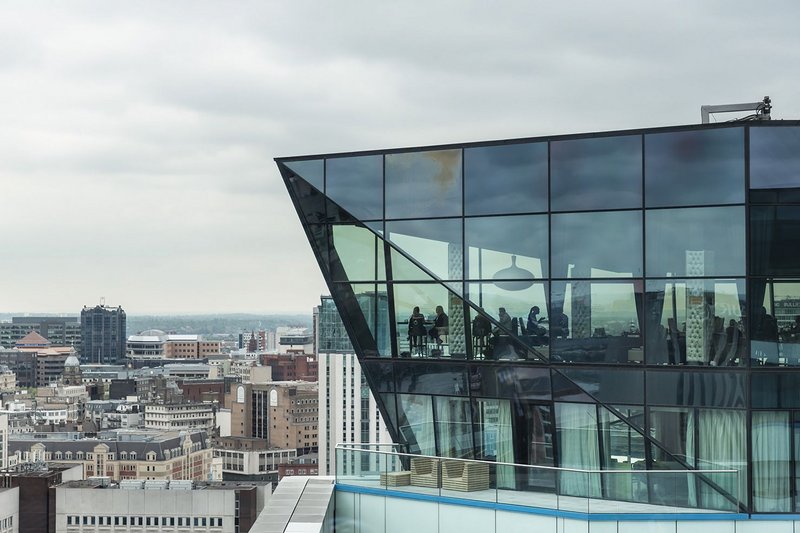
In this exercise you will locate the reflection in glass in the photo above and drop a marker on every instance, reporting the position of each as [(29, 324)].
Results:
[(597, 245), (623, 450), (423, 184), (710, 310), (695, 242), (599, 321), (771, 461), (354, 247), (505, 179), (707, 439), (441, 379), (415, 423), (522, 313), (434, 244), (506, 247), (774, 158), (311, 170), (694, 167), (494, 439), (608, 385), (775, 324), (454, 427), (356, 184), (430, 321), (596, 173), (774, 240), (702, 389)]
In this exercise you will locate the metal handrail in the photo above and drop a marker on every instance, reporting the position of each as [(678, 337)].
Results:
[(352, 446)]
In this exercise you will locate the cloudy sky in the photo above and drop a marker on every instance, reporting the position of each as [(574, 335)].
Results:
[(136, 138)]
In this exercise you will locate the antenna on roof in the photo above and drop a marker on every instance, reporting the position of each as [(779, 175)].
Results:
[(762, 110), (102, 301)]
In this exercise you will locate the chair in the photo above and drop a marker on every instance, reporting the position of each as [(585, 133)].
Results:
[(465, 476), (425, 472)]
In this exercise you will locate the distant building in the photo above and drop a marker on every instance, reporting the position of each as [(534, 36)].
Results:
[(247, 458), (348, 413), (294, 339), (48, 361), (22, 363), (60, 331), (121, 454), (94, 505), (34, 487), (180, 416), (103, 334), (155, 344), (291, 366), (283, 413)]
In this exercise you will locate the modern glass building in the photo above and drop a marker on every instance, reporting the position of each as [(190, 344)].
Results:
[(609, 301)]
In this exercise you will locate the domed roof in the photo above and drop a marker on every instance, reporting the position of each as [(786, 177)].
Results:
[(153, 332), (72, 361)]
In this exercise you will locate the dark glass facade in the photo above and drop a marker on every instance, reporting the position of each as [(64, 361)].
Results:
[(616, 301)]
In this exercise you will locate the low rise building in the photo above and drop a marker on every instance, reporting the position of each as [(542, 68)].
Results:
[(155, 344), (121, 454), (33, 484), (178, 416), (251, 459), (92, 505)]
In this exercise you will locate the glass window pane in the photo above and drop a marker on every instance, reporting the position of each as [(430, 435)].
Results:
[(695, 242), (771, 462), (381, 374), (774, 240), (578, 448), (430, 321), (622, 449), (516, 383), (608, 385), (423, 184), (311, 170), (722, 388), (599, 322), (442, 379), (454, 427), (415, 423), (775, 326), (694, 167), (505, 179), (356, 184), (712, 310), (596, 173), (354, 248), (434, 244), (506, 247), (774, 157), (597, 245), (521, 312)]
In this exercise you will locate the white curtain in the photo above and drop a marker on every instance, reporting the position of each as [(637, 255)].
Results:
[(453, 427), (721, 446), (505, 446), (771, 455), (578, 448), (418, 427)]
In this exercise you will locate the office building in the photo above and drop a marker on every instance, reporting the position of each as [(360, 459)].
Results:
[(178, 416), (60, 331), (103, 335), (155, 344), (96, 505), (348, 412), (604, 301), (282, 413)]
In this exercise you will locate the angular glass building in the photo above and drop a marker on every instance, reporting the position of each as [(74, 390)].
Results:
[(609, 301)]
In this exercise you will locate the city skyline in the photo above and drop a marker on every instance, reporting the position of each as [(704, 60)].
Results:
[(138, 139)]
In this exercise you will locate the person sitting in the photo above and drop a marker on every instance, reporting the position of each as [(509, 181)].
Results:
[(416, 329), (505, 320), (440, 325), (533, 327)]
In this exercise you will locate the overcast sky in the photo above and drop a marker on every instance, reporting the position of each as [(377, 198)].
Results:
[(136, 138)]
